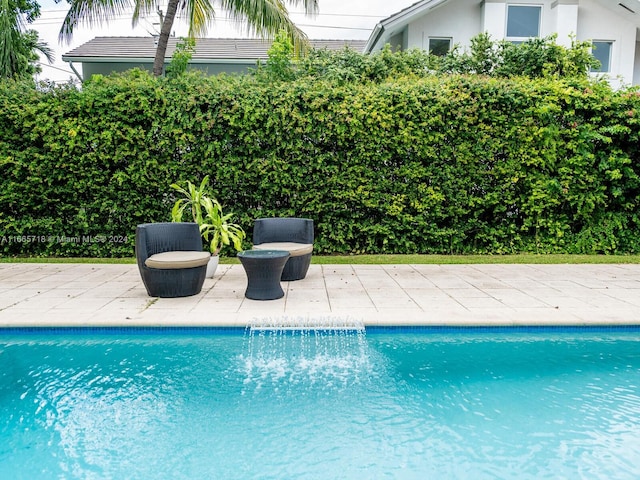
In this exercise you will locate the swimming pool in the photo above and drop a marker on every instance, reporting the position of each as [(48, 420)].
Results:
[(424, 403)]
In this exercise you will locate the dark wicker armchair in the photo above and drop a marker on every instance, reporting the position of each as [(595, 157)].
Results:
[(170, 258), (294, 235)]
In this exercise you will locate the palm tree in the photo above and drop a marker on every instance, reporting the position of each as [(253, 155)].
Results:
[(264, 18), (18, 48)]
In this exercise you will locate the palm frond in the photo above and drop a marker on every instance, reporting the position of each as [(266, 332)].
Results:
[(311, 7), (200, 13), (142, 8), (266, 18), (46, 50), (91, 12)]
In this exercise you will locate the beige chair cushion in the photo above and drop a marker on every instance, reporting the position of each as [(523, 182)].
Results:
[(294, 249), (177, 259)]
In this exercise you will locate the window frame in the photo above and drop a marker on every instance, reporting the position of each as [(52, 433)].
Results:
[(449, 39), (520, 5), (609, 58)]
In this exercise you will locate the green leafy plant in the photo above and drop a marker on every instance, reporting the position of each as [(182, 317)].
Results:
[(440, 164), (216, 230), (215, 227), (280, 63), (181, 57), (193, 198)]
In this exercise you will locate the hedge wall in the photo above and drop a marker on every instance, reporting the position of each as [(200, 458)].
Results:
[(436, 165)]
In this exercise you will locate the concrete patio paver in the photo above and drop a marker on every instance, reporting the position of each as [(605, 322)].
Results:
[(105, 294)]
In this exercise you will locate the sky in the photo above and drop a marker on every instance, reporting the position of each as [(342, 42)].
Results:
[(348, 19)]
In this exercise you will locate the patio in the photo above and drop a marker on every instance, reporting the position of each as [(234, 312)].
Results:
[(105, 295)]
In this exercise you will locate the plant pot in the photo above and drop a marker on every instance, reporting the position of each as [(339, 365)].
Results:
[(212, 266)]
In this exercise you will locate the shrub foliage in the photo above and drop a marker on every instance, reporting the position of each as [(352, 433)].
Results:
[(439, 164)]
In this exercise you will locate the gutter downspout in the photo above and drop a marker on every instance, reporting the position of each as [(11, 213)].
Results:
[(76, 71)]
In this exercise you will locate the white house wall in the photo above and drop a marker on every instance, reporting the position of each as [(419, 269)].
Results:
[(636, 66), (494, 18), (564, 21), (599, 23), (464, 19), (459, 20), (558, 16)]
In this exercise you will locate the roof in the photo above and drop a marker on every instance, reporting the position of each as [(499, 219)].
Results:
[(124, 49), (387, 27)]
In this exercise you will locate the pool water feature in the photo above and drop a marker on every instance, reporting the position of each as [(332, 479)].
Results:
[(321, 404)]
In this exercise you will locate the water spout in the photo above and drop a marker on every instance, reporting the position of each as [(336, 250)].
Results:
[(307, 323), (319, 352)]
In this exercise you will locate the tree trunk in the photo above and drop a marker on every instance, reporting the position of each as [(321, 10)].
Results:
[(163, 39)]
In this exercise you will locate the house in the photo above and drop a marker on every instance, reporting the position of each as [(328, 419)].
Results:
[(437, 25), (105, 55)]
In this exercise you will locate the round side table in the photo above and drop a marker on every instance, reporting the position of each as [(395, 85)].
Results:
[(263, 268)]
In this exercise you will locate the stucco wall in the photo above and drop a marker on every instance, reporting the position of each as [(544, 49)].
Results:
[(636, 65), (598, 23), (459, 20), (564, 22), (586, 20)]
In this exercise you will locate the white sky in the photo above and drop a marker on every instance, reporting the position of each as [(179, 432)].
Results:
[(349, 19)]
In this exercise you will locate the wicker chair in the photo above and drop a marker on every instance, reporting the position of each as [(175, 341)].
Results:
[(294, 235), (170, 258)]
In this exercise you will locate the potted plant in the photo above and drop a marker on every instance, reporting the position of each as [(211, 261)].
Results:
[(215, 227)]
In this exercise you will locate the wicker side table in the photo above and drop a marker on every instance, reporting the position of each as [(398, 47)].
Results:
[(263, 268)]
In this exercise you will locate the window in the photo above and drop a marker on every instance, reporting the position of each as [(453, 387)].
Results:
[(602, 51), (523, 21), (439, 46)]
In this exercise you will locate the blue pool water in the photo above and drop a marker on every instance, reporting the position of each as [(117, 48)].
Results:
[(321, 405)]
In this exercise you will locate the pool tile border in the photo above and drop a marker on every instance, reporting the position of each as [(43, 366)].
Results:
[(214, 330)]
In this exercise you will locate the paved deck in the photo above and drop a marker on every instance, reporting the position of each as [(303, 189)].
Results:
[(101, 295)]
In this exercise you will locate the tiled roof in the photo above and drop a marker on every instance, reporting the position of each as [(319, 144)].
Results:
[(206, 48)]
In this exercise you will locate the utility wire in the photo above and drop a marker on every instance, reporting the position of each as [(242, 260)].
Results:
[(320, 14), (329, 26), (127, 15), (55, 68)]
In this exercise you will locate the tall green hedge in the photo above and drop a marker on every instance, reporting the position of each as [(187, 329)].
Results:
[(435, 165)]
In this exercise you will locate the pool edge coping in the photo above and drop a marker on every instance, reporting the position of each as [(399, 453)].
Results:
[(233, 330)]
